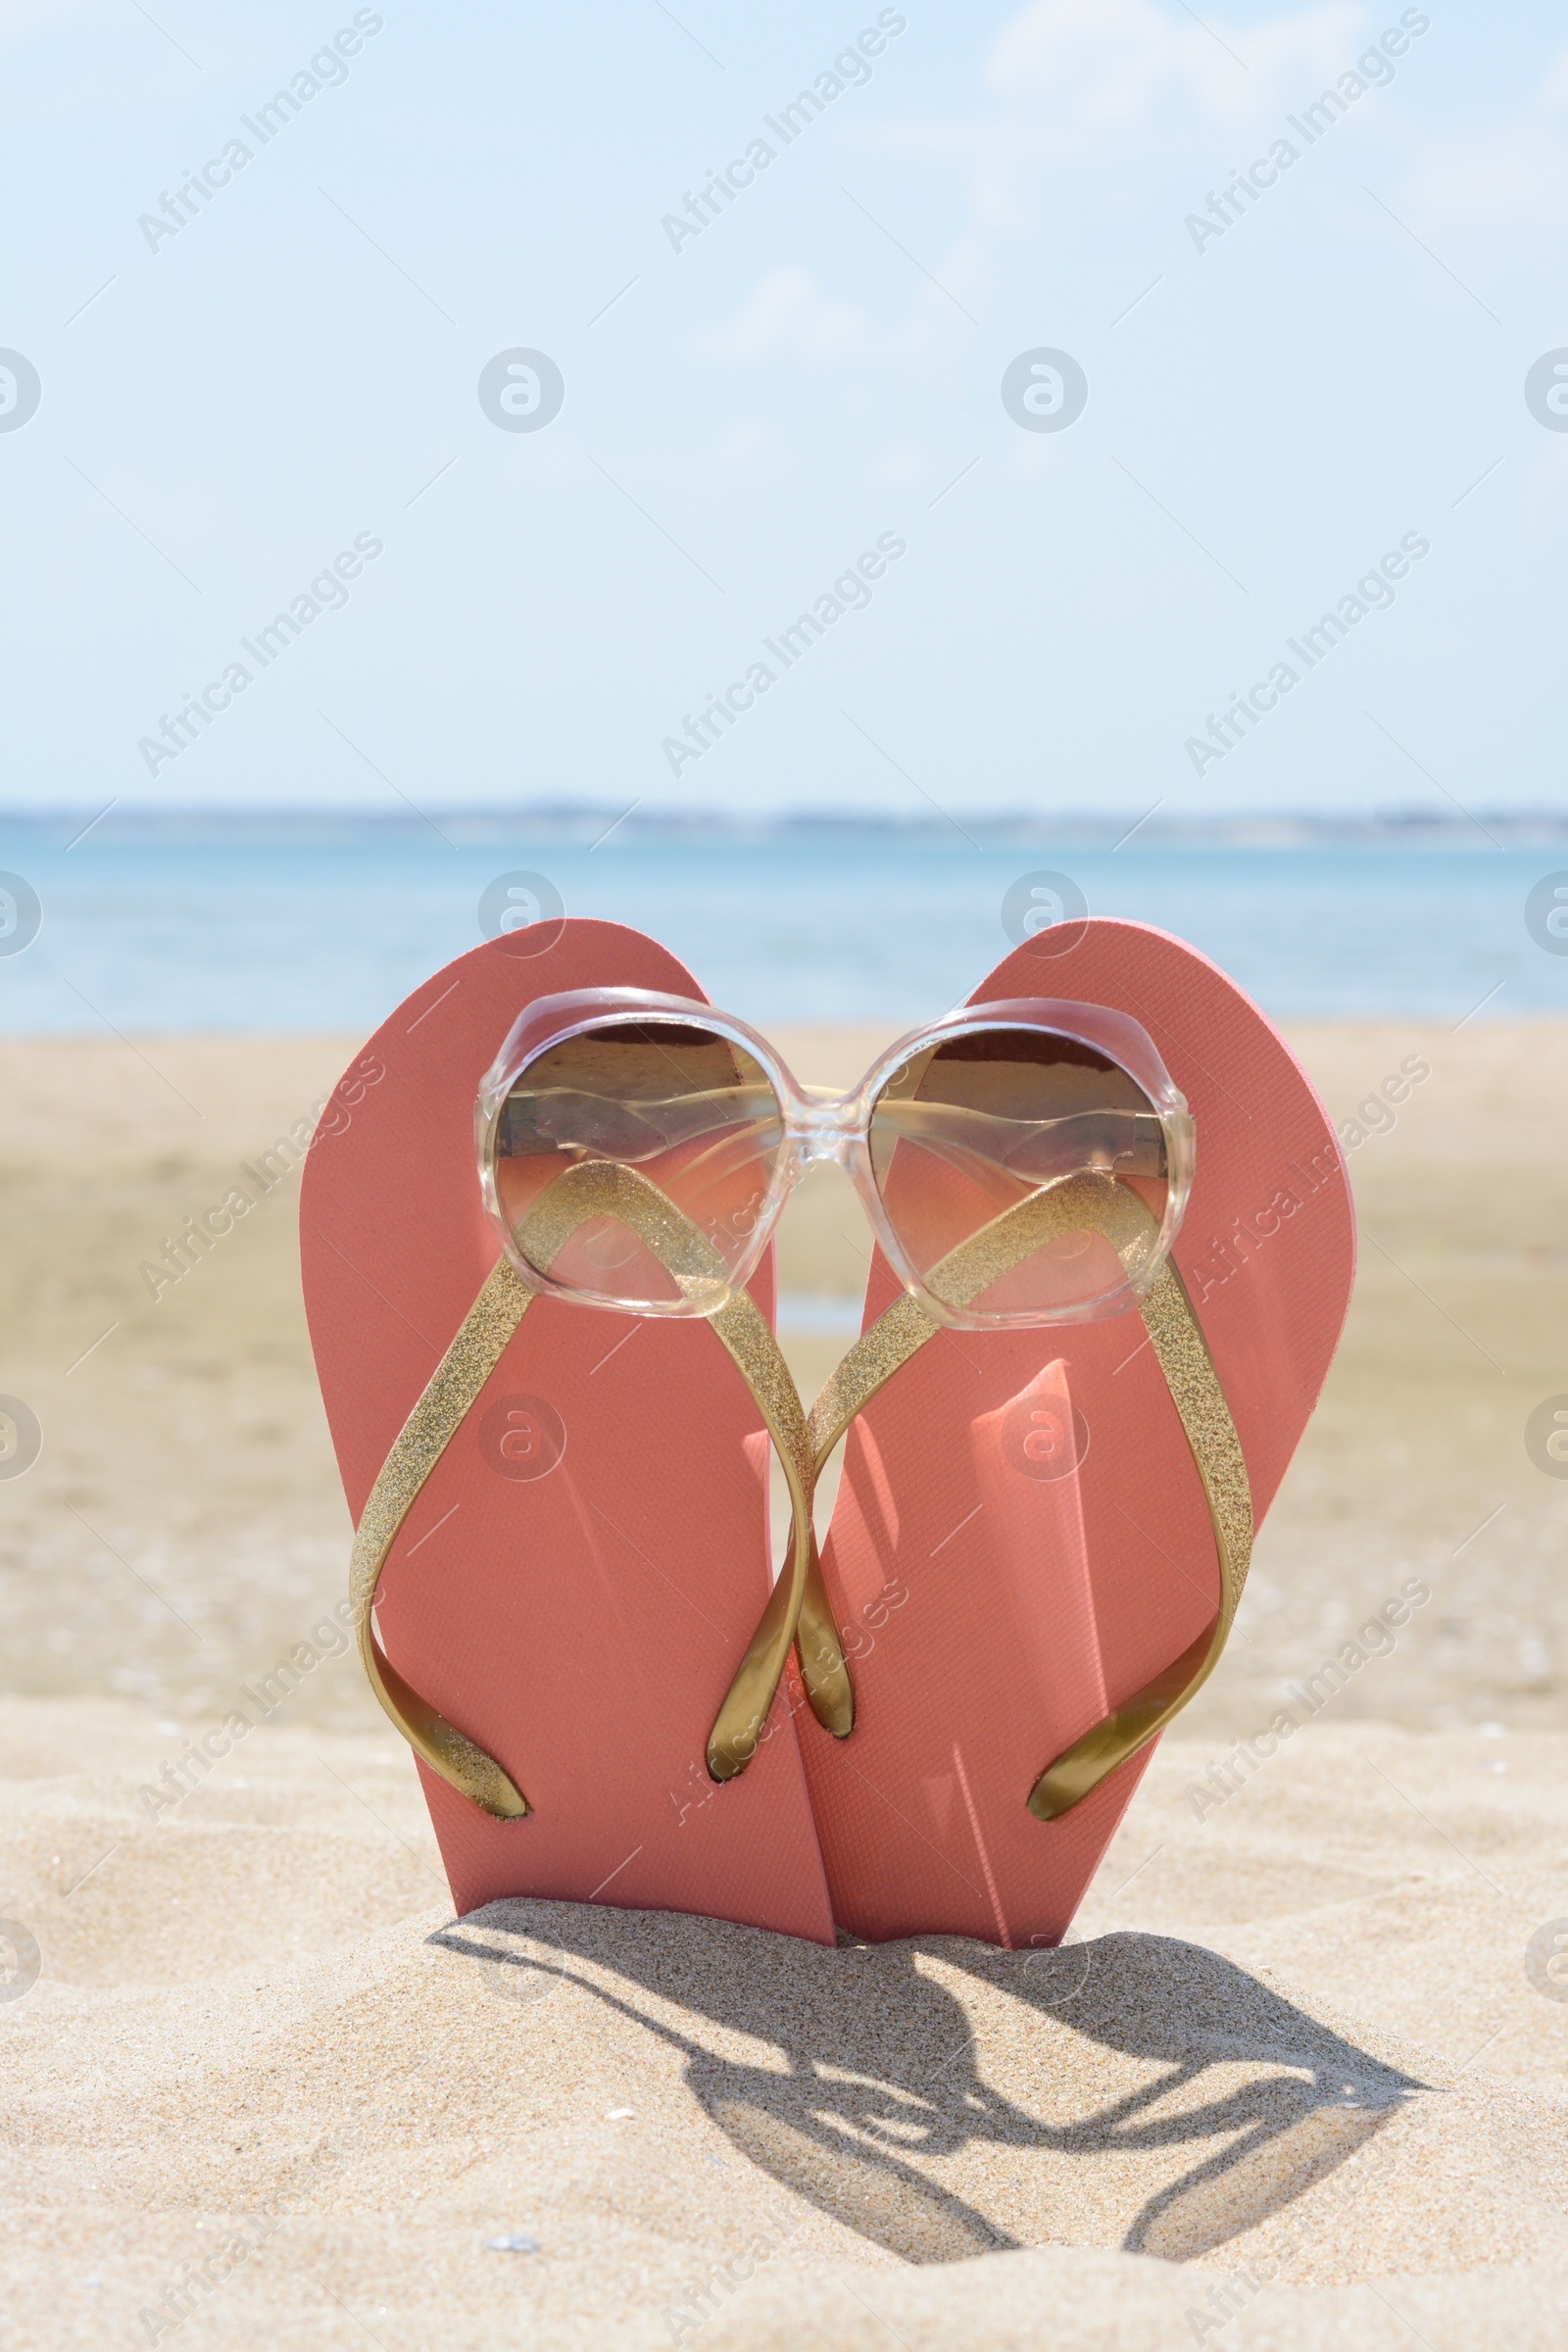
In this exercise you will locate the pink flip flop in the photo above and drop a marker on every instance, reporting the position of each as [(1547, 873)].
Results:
[(560, 1513), (1040, 1533)]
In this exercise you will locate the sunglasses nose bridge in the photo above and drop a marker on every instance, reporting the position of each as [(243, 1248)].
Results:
[(826, 1129)]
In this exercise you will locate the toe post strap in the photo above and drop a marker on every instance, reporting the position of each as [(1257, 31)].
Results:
[(740, 1720), (429, 1429), (596, 1189), (1072, 1204), (1210, 1432)]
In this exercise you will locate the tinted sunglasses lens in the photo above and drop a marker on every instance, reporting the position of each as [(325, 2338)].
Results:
[(965, 1129), (691, 1113)]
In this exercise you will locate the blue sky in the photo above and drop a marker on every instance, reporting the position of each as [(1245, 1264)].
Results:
[(227, 407)]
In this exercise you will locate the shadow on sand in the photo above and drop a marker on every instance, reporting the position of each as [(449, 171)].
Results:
[(879, 2066)]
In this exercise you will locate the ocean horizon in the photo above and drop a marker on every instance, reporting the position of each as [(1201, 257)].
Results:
[(170, 920)]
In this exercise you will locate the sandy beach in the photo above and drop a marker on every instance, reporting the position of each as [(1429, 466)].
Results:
[(1299, 2078)]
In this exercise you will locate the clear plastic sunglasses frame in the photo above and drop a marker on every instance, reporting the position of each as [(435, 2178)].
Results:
[(821, 1125)]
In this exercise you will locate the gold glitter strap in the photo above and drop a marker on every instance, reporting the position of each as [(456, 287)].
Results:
[(597, 1189), (419, 1446), (1076, 1203)]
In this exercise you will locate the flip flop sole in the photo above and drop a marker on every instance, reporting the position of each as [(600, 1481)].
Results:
[(1021, 1541), (576, 1581)]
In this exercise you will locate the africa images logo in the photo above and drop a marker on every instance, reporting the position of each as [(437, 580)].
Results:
[(20, 391), (1546, 390)]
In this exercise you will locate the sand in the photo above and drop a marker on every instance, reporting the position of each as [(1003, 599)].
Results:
[(1292, 2083)]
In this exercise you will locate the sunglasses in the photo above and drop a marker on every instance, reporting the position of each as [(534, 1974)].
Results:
[(636, 1151)]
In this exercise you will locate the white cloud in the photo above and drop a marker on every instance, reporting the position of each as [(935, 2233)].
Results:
[(789, 317), (18, 16), (1114, 64), (1112, 85), (1512, 174)]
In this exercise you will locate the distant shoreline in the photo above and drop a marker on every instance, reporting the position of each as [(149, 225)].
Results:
[(123, 824)]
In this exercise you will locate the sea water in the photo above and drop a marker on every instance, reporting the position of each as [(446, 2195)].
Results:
[(328, 927)]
